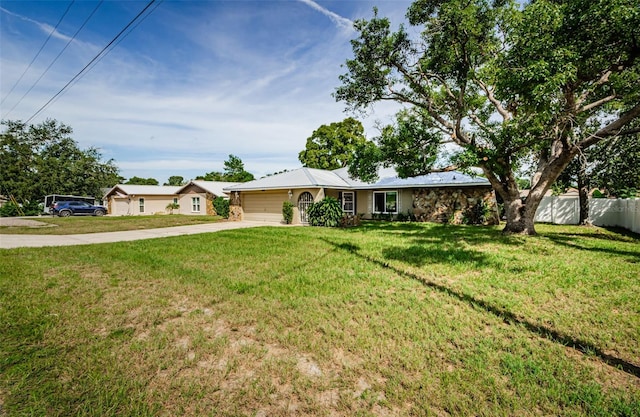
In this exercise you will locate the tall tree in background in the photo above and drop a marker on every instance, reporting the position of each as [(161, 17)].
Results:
[(42, 159), (233, 172), (175, 180), (506, 83), (333, 146), (142, 181)]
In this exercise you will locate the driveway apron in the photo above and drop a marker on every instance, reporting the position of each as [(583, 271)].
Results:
[(35, 241)]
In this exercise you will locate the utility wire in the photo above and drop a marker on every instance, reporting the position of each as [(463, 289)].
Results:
[(56, 58), (38, 53), (90, 62), (116, 44)]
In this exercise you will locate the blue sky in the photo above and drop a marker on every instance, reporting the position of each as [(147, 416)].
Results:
[(194, 82)]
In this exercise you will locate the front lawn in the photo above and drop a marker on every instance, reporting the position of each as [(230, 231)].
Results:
[(384, 319)]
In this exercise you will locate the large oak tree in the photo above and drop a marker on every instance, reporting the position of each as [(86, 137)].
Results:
[(36, 160), (506, 83), (332, 146)]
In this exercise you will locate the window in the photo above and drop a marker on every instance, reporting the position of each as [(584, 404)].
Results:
[(141, 203), (347, 203), (195, 204), (175, 200), (385, 201)]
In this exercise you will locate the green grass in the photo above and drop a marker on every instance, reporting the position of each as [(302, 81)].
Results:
[(384, 319), (89, 224)]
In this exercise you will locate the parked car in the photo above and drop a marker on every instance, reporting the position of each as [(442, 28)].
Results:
[(72, 208)]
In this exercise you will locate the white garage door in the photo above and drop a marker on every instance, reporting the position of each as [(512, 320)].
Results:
[(264, 206)]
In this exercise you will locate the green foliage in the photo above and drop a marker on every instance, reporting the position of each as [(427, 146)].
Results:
[(221, 205), (598, 194), (333, 146), (172, 206), (10, 209), (175, 180), (142, 181), (233, 172), (523, 183), (510, 85), (326, 212), (42, 159), (410, 145), (615, 166), (477, 214), (287, 211)]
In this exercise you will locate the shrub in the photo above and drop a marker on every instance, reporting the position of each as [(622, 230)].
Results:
[(172, 206), (222, 207), (327, 212), (287, 212), (9, 209)]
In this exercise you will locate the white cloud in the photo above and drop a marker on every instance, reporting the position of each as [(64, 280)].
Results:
[(341, 22)]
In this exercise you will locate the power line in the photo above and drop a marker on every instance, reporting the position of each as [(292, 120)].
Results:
[(56, 58), (91, 62), (116, 44), (38, 53)]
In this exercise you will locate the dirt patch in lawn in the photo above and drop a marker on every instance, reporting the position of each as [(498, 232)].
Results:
[(20, 222)]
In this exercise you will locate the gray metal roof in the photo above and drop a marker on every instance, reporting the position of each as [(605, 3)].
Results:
[(128, 189), (298, 178), (434, 179), (318, 178)]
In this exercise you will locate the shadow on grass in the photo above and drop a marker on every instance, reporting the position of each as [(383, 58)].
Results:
[(505, 315), (570, 240)]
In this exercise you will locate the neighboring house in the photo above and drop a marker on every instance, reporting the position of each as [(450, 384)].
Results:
[(438, 197), (196, 198)]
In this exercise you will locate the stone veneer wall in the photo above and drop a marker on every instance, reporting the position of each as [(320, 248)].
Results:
[(455, 205), (235, 208)]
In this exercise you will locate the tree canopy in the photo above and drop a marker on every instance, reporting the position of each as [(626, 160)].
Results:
[(42, 159), (175, 180), (233, 172), (333, 146), (142, 181), (508, 84)]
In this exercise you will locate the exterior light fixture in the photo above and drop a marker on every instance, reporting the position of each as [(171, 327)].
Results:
[(290, 194)]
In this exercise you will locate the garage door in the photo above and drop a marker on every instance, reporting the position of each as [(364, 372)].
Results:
[(264, 207)]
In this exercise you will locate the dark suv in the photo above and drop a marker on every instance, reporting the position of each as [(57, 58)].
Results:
[(72, 208)]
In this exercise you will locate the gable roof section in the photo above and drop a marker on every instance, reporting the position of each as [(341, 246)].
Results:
[(213, 187), (123, 190), (298, 178)]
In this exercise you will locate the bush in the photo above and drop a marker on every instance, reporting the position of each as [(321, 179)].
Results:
[(287, 211), (222, 207), (9, 209), (327, 212)]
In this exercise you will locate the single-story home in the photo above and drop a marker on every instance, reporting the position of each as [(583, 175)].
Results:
[(195, 198), (438, 197)]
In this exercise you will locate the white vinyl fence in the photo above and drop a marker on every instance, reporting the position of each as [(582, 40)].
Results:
[(602, 212)]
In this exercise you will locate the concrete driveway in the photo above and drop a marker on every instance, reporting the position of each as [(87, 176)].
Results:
[(35, 241)]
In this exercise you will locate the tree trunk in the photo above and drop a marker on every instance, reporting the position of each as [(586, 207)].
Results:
[(583, 191), (520, 216)]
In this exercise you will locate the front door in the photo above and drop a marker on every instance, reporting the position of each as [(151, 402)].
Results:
[(304, 202)]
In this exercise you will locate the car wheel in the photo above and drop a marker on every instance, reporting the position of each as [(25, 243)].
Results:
[(65, 213), (99, 213)]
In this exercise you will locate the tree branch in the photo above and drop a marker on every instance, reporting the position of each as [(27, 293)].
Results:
[(506, 116), (597, 103), (612, 129)]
